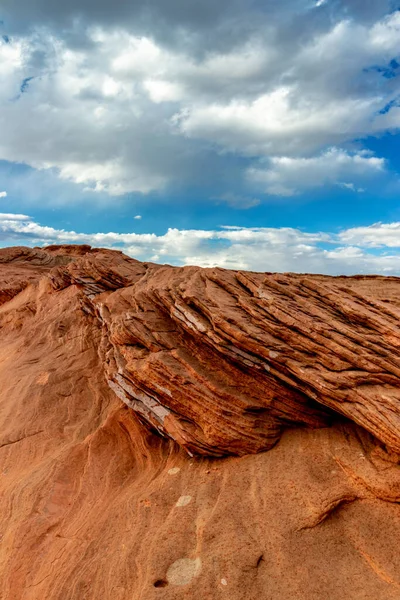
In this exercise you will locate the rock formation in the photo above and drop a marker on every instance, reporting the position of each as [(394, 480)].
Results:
[(255, 453)]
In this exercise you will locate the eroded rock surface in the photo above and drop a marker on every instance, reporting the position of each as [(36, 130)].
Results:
[(94, 503), (222, 360)]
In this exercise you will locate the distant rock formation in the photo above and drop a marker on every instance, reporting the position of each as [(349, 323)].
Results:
[(101, 501)]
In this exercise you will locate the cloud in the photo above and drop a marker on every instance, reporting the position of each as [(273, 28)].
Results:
[(286, 176), (138, 217), (163, 91), (281, 121), (258, 248), (140, 97), (164, 20), (350, 186), (321, 95), (11, 218), (211, 21), (102, 131), (378, 235), (3, 194)]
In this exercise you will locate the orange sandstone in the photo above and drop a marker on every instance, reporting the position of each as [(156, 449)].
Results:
[(185, 433)]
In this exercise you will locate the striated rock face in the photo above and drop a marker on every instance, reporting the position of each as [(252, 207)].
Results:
[(222, 361), (94, 503)]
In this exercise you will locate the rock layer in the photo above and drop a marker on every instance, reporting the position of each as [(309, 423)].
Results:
[(222, 360), (94, 503)]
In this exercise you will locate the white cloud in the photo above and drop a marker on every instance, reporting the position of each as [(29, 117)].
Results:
[(351, 186), (140, 55), (260, 249), (3, 194), (385, 33), (323, 95), (11, 217), (375, 236), (281, 121), (163, 91), (124, 113), (112, 177), (286, 176), (138, 217)]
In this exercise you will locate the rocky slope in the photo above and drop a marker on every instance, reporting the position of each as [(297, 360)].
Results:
[(135, 403)]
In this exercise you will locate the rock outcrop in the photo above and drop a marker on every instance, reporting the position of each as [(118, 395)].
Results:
[(168, 493), (222, 361)]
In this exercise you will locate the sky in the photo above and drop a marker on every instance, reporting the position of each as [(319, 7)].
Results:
[(250, 134)]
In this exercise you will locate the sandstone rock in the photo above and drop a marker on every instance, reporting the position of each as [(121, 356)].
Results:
[(94, 503), (221, 361)]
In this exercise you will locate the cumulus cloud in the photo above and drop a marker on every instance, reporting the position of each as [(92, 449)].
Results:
[(286, 176), (329, 95), (137, 97), (3, 194), (257, 248), (281, 121), (378, 235), (10, 219), (138, 217)]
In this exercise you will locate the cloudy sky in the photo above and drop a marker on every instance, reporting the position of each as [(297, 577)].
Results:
[(249, 134)]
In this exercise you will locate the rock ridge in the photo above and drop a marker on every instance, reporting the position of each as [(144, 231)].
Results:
[(223, 361)]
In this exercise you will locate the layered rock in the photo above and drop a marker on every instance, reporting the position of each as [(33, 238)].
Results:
[(95, 503), (223, 360)]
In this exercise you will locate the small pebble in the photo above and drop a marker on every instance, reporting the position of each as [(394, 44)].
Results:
[(174, 471), (184, 501)]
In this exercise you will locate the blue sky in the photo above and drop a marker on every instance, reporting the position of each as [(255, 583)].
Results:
[(242, 134)]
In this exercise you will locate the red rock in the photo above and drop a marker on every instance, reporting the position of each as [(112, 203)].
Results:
[(221, 360), (95, 504)]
